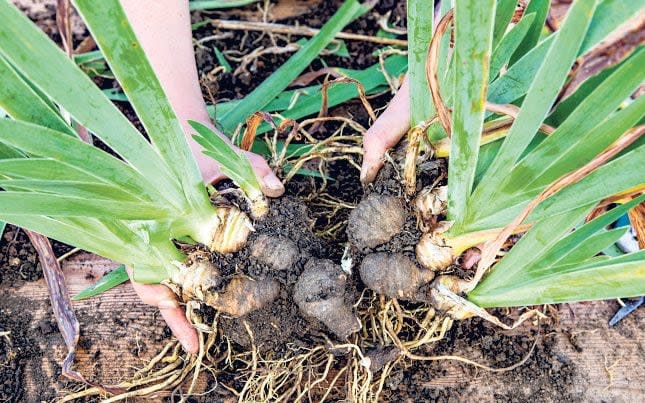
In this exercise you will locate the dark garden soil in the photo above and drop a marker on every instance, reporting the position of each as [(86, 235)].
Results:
[(577, 357)]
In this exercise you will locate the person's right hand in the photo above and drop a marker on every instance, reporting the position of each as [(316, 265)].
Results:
[(385, 133)]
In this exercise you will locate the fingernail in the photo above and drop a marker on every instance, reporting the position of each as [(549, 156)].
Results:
[(168, 304), (272, 182)]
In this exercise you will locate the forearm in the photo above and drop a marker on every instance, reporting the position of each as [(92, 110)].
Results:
[(163, 28)]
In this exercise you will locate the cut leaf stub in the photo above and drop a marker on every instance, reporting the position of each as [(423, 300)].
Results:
[(232, 231)]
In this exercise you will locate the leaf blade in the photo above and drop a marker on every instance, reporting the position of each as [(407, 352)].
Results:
[(473, 43), (290, 70), (540, 97), (110, 27), (110, 280), (36, 57)]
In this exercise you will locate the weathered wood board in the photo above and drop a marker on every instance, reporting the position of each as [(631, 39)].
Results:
[(119, 334)]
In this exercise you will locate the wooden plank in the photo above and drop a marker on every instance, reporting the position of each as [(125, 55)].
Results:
[(119, 333)]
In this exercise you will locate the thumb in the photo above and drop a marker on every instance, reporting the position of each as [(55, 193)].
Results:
[(270, 184)]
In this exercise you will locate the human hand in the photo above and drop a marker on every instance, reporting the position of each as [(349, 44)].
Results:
[(270, 184), (172, 312), (385, 133), (169, 46)]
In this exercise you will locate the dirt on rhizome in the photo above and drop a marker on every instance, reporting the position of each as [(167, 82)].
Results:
[(320, 333)]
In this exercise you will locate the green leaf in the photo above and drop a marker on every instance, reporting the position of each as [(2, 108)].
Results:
[(31, 203), (503, 15), (503, 52), (614, 177), (306, 101), (420, 13), (582, 243), (541, 95), (593, 245), (111, 239), (42, 169), (3, 225), (609, 15), (281, 78), (538, 170), (570, 103), (109, 26), (610, 179), (9, 152), (221, 60), (372, 79), (576, 141), (307, 172), (38, 59), (620, 277), (218, 4), (95, 190), (115, 94), (44, 142), (110, 280), (149, 275), (336, 47), (298, 103), (21, 102), (541, 9), (232, 163), (473, 41), (87, 57), (515, 82), (550, 251), (543, 236)]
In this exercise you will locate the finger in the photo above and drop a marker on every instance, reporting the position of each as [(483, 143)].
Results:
[(182, 329), (373, 157), (270, 184), (166, 300), (385, 133), (215, 177)]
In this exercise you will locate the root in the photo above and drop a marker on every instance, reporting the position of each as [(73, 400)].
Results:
[(152, 379), (390, 335), (473, 363)]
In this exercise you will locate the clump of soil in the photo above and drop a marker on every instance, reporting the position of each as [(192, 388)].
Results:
[(18, 259), (547, 373), (280, 249), (16, 345)]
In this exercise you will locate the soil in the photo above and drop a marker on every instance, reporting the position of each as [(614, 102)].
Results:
[(572, 360)]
